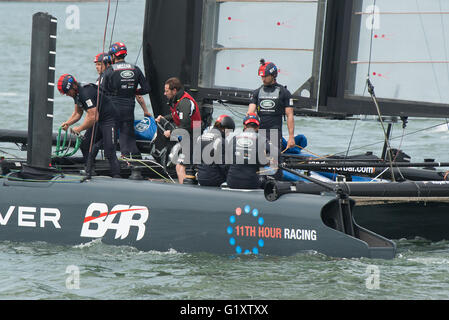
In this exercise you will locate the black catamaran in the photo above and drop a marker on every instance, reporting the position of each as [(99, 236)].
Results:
[(210, 53)]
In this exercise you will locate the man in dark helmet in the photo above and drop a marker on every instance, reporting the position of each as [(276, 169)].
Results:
[(102, 62), (212, 171), (271, 101), (121, 83), (249, 153), (99, 122)]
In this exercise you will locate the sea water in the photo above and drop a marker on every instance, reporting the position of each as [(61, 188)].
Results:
[(98, 271)]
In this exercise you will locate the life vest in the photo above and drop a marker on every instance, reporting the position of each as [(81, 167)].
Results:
[(195, 117), (268, 103)]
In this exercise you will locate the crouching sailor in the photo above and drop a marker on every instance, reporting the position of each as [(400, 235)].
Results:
[(100, 120), (248, 154), (212, 170)]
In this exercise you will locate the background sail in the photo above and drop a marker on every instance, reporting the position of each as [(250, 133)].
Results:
[(325, 51), (402, 44)]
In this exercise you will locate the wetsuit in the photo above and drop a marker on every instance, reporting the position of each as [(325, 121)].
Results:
[(104, 130), (120, 82), (212, 171), (246, 160), (271, 102)]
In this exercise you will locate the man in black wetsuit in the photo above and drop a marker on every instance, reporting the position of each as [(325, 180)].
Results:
[(271, 101), (185, 114), (212, 171), (99, 122), (247, 156), (102, 62), (121, 82)]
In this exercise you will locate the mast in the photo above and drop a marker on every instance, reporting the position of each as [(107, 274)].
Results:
[(42, 83)]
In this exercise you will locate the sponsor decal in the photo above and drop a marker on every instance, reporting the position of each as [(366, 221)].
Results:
[(127, 74), (98, 220), (32, 217), (248, 223), (143, 125), (245, 142), (267, 104)]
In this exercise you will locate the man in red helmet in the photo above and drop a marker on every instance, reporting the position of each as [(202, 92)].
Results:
[(248, 154), (99, 122), (271, 101), (212, 171), (102, 62), (121, 83)]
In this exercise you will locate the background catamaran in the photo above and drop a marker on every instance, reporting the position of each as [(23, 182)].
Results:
[(203, 52)]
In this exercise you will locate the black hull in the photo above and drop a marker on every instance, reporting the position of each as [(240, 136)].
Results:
[(406, 218), (163, 216)]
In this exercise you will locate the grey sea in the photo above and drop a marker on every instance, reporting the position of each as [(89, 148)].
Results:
[(45, 271)]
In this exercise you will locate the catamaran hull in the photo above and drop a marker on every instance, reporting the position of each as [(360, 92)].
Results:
[(405, 218), (161, 216)]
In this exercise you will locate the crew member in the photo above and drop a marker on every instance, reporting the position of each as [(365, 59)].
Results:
[(99, 122), (185, 114), (121, 83), (212, 171), (271, 101), (102, 62), (247, 157)]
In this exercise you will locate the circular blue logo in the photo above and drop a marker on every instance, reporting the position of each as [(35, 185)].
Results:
[(234, 230)]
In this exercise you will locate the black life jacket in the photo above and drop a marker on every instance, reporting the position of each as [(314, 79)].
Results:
[(123, 80), (268, 103)]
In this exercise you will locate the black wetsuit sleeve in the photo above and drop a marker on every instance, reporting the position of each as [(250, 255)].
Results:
[(104, 81), (285, 99), (144, 86), (184, 109), (255, 96), (169, 117), (88, 97)]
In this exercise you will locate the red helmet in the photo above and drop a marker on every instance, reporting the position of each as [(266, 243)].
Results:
[(103, 57), (118, 49), (226, 122), (267, 69), (65, 83), (251, 118)]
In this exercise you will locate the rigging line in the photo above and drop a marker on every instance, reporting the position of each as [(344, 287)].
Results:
[(98, 105), (428, 51), (370, 47), (368, 72), (138, 53), (393, 138), (444, 36), (235, 113), (371, 89), (397, 152), (113, 23)]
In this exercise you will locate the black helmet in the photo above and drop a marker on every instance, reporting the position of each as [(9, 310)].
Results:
[(226, 122)]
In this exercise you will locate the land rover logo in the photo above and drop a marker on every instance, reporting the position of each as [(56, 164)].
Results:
[(267, 104), (244, 142), (127, 74), (142, 125)]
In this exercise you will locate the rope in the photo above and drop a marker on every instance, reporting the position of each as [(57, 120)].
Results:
[(63, 150), (149, 167)]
